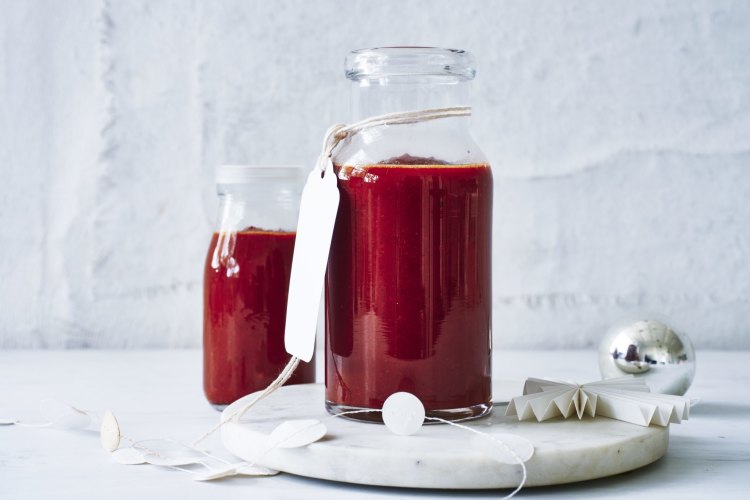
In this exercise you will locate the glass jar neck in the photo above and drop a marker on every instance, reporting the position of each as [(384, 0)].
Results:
[(398, 93), (264, 204)]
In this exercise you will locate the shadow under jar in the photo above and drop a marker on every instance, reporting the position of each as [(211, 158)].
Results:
[(408, 291)]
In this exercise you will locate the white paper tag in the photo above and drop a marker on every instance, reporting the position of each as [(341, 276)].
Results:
[(109, 433), (317, 215), (297, 433), (403, 413)]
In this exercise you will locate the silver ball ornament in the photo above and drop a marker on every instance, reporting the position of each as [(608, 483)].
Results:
[(651, 350)]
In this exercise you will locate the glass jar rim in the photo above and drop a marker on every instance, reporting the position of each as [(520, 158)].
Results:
[(242, 173), (381, 62)]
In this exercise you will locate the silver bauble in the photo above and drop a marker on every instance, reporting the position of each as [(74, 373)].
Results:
[(651, 350)]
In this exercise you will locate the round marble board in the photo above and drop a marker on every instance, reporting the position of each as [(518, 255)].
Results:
[(440, 456)]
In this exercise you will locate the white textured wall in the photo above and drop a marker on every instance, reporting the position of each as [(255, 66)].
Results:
[(619, 133)]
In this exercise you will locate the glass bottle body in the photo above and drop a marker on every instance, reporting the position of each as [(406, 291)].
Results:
[(408, 296), (246, 281)]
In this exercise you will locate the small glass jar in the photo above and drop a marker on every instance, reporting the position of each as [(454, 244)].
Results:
[(408, 293), (246, 281)]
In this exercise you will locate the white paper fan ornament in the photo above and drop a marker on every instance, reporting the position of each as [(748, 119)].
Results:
[(624, 398)]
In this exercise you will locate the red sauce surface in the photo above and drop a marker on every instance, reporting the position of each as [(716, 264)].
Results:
[(408, 290), (244, 312)]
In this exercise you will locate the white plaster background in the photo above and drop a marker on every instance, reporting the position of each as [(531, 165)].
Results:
[(619, 133)]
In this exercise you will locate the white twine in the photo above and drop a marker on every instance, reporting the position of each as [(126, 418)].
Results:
[(339, 132), (282, 378), (498, 441)]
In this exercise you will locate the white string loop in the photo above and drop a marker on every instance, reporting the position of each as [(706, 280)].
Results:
[(339, 132)]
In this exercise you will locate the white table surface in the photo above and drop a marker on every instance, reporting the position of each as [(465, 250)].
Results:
[(159, 394)]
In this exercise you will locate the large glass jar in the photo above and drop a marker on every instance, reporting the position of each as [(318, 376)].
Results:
[(246, 281), (408, 292)]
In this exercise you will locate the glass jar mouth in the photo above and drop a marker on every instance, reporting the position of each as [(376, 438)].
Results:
[(240, 174), (379, 62)]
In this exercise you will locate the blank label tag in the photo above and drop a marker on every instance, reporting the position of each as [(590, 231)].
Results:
[(317, 215)]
